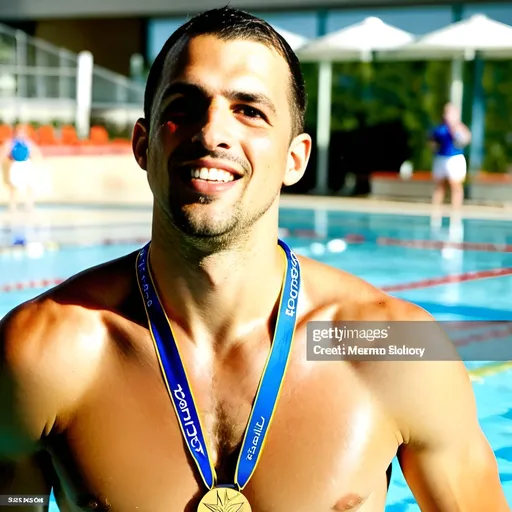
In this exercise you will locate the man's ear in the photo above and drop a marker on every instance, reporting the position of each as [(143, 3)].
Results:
[(298, 158), (140, 142)]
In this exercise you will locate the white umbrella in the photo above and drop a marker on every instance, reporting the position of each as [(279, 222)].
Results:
[(295, 41), (354, 43), (461, 39), (458, 41)]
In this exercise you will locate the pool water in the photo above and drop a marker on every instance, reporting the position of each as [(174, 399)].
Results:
[(401, 253)]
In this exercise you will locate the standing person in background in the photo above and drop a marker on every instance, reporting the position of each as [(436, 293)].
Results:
[(449, 140), (17, 157)]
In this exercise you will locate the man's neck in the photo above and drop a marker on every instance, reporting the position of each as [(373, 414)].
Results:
[(219, 297)]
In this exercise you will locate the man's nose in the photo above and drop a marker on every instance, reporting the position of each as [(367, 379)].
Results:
[(216, 129)]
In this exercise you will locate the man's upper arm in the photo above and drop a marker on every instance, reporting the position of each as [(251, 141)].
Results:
[(27, 409), (25, 394), (50, 352), (445, 457)]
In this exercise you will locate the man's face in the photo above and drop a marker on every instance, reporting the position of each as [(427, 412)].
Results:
[(219, 148)]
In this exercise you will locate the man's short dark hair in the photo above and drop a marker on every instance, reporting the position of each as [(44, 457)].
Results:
[(229, 24)]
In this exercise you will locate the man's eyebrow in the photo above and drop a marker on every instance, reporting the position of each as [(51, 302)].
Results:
[(251, 97), (231, 94), (182, 88)]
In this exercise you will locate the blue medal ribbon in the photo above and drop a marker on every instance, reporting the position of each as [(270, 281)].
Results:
[(177, 383)]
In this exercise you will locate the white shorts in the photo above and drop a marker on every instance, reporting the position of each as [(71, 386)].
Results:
[(21, 175), (452, 168)]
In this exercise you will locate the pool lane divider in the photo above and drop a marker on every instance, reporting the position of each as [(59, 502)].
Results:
[(449, 279), (406, 243), (29, 285), (489, 370), (440, 244), (489, 331)]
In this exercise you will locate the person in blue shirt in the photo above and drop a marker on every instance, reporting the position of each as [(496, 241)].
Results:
[(17, 159), (449, 166)]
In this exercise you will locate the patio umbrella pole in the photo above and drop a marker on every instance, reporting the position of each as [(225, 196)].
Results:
[(323, 129), (476, 149), (456, 88)]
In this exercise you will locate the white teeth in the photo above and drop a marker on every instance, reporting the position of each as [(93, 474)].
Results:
[(211, 174)]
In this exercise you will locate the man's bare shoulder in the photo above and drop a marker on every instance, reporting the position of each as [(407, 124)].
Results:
[(352, 297), (105, 286), (411, 387), (62, 335), (77, 305)]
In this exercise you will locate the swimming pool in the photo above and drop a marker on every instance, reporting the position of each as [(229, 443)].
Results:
[(460, 270)]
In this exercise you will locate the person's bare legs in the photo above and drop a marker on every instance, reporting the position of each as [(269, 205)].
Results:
[(456, 229), (15, 213), (13, 200), (12, 212), (439, 191), (437, 201), (457, 193), (29, 200)]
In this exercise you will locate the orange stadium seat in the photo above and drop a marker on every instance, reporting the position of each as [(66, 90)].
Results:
[(5, 133), (69, 136), (98, 135), (47, 136)]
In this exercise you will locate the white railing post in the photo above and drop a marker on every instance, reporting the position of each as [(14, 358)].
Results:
[(40, 77), (21, 62), (63, 78), (21, 77), (84, 93)]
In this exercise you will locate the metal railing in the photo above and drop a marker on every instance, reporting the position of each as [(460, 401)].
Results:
[(33, 69)]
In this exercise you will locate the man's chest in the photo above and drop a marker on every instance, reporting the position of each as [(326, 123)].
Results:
[(327, 443)]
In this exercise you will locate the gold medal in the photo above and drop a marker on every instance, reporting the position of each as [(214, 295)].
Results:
[(224, 499)]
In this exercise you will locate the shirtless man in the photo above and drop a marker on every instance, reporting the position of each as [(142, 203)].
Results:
[(84, 404)]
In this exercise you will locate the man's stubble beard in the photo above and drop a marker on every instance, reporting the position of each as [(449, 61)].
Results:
[(197, 228)]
